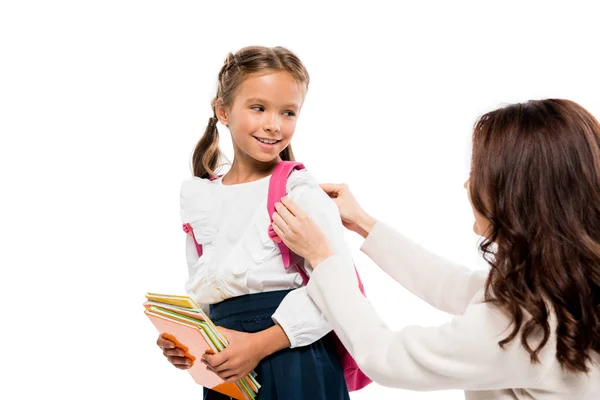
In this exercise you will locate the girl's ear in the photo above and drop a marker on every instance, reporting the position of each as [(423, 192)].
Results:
[(221, 112)]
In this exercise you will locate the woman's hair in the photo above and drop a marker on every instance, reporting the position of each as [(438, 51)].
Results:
[(535, 176), (236, 68)]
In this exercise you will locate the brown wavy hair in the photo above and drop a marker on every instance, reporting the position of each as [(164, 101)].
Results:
[(535, 175), (237, 67)]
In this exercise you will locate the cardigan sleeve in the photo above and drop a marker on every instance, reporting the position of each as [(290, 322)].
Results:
[(462, 354), (442, 284)]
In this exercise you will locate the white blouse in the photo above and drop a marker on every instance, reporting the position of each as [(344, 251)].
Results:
[(231, 222), (461, 354)]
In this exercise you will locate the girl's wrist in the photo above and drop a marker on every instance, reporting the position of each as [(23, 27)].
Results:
[(271, 340)]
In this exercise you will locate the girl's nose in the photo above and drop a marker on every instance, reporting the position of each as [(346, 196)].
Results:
[(272, 124)]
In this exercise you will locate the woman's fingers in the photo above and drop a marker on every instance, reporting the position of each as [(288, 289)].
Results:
[(332, 189), (279, 225), (284, 212), (278, 232), (292, 207)]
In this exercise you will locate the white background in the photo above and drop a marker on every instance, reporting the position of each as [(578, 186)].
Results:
[(102, 102)]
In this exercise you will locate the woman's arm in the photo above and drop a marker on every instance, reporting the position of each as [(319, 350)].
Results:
[(462, 354), (444, 285)]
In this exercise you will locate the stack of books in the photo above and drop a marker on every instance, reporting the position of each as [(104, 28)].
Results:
[(182, 321)]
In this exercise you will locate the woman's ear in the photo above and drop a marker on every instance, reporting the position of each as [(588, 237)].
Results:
[(221, 112)]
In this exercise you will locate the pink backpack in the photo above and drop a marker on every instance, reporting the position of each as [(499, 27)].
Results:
[(355, 378)]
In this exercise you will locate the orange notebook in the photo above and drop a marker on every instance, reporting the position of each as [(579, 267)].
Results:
[(196, 336)]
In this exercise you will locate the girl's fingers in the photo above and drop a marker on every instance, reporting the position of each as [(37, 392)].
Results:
[(164, 343), (224, 372), (233, 379), (217, 360), (222, 368), (180, 361), (208, 366), (229, 376), (174, 352)]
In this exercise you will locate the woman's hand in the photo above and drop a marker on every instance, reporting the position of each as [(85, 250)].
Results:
[(239, 358), (353, 216), (174, 354), (300, 233)]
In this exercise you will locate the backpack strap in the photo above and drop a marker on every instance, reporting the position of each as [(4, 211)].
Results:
[(277, 190), (187, 228)]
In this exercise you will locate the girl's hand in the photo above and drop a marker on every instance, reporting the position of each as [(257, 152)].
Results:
[(175, 355), (239, 358), (300, 233), (353, 216)]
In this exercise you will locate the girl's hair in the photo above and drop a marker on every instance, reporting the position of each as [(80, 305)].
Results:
[(237, 67), (535, 176)]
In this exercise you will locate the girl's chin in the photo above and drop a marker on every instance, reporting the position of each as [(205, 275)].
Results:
[(265, 156)]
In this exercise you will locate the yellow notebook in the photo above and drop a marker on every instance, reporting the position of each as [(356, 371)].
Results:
[(181, 320)]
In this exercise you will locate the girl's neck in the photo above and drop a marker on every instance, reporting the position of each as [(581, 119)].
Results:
[(246, 169)]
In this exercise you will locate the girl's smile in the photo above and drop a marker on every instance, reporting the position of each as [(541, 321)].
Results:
[(262, 118)]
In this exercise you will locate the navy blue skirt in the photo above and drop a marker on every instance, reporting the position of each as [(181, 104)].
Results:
[(309, 372)]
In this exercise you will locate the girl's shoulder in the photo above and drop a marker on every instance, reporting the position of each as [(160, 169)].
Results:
[(196, 186), (301, 180), (303, 188), (197, 207), (196, 191)]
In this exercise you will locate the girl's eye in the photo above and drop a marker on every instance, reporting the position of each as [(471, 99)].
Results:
[(289, 113), (258, 108)]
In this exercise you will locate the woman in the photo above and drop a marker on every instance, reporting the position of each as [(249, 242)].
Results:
[(530, 328)]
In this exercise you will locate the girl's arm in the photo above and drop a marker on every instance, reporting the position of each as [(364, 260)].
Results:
[(444, 285)]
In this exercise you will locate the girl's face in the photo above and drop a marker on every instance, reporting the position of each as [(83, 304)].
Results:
[(263, 116), (482, 224)]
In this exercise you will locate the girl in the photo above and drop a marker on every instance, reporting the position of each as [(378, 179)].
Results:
[(530, 329), (271, 323)]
